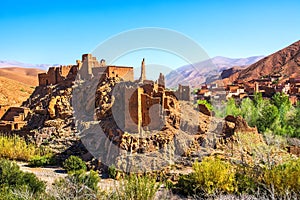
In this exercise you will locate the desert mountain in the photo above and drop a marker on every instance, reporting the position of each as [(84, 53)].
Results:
[(10, 63), (285, 62), (13, 92), (228, 72), (26, 76), (206, 71), (17, 84)]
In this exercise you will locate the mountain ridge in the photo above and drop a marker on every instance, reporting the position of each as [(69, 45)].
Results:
[(17, 84), (284, 62), (26, 76), (12, 63), (206, 71)]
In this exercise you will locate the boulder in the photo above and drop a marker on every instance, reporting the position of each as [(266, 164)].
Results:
[(242, 126), (294, 150), (203, 109)]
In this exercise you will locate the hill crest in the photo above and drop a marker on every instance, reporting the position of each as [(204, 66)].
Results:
[(285, 62)]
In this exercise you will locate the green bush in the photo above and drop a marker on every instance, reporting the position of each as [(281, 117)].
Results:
[(112, 172), (90, 179), (11, 177), (34, 184), (169, 184), (246, 180), (213, 177), (38, 161), (232, 108), (276, 114), (186, 185), (73, 164), (294, 122), (9, 173)]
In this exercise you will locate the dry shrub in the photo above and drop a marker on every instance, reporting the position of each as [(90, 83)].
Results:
[(16, 148)]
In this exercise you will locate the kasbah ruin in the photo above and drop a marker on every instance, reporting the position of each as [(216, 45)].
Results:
[(151, 93)]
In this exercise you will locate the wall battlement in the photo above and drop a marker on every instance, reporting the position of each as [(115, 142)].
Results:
[(59, 74)]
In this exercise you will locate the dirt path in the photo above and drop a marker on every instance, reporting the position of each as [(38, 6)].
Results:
[(47, 174), (51, 173)]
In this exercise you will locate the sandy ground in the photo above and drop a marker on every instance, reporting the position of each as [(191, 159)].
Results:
[(47, 174)]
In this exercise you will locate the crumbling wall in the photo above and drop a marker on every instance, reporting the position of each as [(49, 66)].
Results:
[(151, 112), (132, 109), (57, 75), (15, 114), (126, 73), (48, 78)]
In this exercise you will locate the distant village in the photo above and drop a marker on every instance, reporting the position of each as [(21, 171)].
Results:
[(239, 90)]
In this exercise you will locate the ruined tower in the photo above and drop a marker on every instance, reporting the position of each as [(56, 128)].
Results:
[(102, 63), (161, 80), (143, 71)]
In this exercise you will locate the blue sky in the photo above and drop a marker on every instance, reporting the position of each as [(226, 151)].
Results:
[(60, 31)]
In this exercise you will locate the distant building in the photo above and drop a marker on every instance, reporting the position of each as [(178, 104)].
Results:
[(183, 93), (235, 91), (14, 119)]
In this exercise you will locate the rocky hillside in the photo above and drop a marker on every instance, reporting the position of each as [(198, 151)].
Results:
[(17, 84), (12, 92), (51, 122), (206, 71), (285, 62), (229, 72)]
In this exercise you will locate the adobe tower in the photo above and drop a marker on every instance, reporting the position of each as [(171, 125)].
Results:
[(143, 71)]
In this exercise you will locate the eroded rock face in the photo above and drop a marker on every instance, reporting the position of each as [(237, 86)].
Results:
[(237, 125), (203, 109), (242, 126), (51, 122), (103, 98)]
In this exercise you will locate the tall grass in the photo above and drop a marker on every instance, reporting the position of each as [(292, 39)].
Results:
[(15, 148)]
